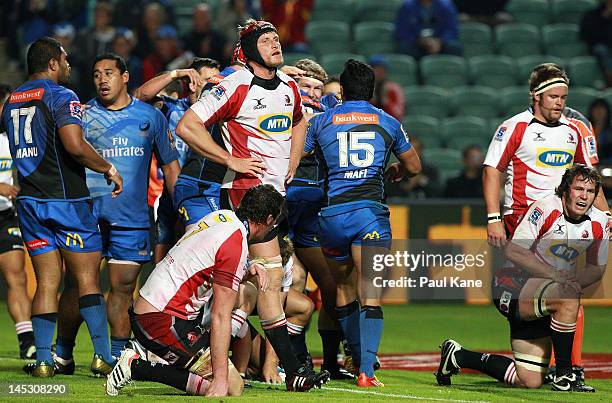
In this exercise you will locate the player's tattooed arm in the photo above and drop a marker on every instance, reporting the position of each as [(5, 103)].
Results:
[(76, 145), (151, 88)]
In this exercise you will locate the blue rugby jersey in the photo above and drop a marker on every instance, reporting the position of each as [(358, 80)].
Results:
[(127, 138), (31, 118), (174, 109), (356, 140)]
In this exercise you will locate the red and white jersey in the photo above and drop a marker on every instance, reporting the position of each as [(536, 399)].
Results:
[(534, 155), (256, 118), (557, 240), (214, 252)]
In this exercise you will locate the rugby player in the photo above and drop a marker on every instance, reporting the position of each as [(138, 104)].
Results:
[(43, 123), (11, 248), (356, 140), (263, 128), (540, 293)]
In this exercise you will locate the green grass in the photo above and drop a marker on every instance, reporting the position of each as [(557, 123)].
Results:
[(410, 328)]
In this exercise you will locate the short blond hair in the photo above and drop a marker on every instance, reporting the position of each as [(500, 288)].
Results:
[(312, 69)]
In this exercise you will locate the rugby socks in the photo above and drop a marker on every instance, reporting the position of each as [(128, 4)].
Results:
[(196, 385), (64, 347), (297, 336), (497, 366), (331, 346), (578, 337), (93, 311), (562, 338), (167, 374), (44, 328), (239, 318), (348, 317), (117, 345), (276, 332), (25, 333), (371, 326)]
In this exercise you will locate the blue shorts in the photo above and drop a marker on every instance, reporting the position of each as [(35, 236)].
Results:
[(303, 205), (351, 223), (49, 225), (165, 225), (196, 199), (121, 243)]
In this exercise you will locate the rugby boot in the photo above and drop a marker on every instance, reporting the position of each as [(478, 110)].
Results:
[(338, 373), (304, 379), (99, 367), (121, 375), (43, 370), (60, 366), (27, 351), (569, 382), (363, 381), (448, 364)]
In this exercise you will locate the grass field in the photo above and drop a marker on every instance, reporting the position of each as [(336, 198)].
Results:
[(408, 329)]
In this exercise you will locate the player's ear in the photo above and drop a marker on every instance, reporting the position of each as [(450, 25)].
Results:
[(126, 76), (53, 64), (269, 220)]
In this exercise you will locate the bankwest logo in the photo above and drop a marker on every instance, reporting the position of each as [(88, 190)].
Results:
[(275, 123), (25, 96), (356, 118), (551, 158)]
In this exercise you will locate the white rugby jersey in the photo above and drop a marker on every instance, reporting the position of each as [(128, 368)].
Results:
[(6, 170), (256, 118), (558, 240), (534, 155), (214, 252)]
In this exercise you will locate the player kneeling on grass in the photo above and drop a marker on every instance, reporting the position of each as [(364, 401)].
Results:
[(540, 292), (166, 318)]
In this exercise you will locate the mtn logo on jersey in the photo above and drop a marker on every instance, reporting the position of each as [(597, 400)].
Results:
[(564, 252), (25, 96), (6, 164), (355, 118), (551, 158), (275, 123)]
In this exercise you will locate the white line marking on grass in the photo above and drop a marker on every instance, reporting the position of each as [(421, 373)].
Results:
[(368, 392)]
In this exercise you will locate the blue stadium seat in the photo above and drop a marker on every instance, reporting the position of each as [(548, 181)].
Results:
[(570, 11), (535, 12), (475, 101), (444, 70), (425, 128), (517, 40), (493, 71), (373, 37), (402, 69), (563, 40), (461, 131), (585, 71), (368, 10), (426, 100), (476, 38), (326, 37)]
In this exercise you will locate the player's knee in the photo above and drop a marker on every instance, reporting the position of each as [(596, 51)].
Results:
[(531, 381), (236, 384)]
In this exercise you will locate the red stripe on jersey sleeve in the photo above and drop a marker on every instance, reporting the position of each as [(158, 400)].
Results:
[(580, 156), (550, 220), (297, 108), (513, 144), (231, 108), (226, 271), (593, 250)]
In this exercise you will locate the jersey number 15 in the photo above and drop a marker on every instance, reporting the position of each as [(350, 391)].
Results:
[(349, 145)]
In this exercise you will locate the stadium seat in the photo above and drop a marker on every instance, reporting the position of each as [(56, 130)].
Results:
[(493, 71), (368, 10), (607, 95), (337, 10), (514, 100), (563, 40), (373, 37), (328, 37), (476, 38), (475, 101), (580, 98), (517, 40), (536, 12), (570, 11), (443, 158), (526, 64), (461, 131), (444, 70), (585, 71), (402, 69), (426, 100), (334, 64), (425, 128), (290, 58)]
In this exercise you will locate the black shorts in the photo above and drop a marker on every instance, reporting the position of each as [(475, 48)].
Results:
[(506, 288), (10, 235), (174, 339)]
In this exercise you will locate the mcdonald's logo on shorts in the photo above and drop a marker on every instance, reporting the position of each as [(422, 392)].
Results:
[(75, 238), (372, 235)]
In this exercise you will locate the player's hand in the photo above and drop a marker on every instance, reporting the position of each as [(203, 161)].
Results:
[(253, 166), (291, 170), (8, 191), (293, 71), (194, 78), (395, 172), (496, 234), (264, 280), (270, 374), (217, 388), (118, 181), (567, 279)]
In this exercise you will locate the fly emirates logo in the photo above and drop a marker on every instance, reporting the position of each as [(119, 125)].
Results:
[(121, 148)]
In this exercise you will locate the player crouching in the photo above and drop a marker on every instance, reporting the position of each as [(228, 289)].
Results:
[(540, 293)]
